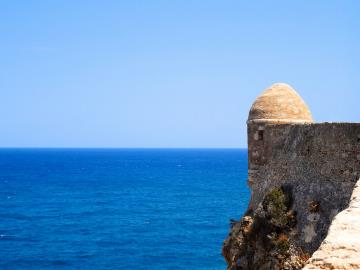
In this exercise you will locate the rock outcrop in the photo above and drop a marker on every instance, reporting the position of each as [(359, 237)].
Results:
[(263, 239)]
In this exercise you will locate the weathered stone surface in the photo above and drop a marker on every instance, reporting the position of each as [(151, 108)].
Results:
[(280, 104), (341, 247), (310, 159), (263, 239), (318, 164)]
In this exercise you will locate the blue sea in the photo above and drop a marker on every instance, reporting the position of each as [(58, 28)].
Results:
[(118, 208)]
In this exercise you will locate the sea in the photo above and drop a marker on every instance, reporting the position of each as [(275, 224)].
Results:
[(113, 209)]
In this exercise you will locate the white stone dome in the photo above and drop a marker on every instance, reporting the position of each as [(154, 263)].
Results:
[(280, 103)]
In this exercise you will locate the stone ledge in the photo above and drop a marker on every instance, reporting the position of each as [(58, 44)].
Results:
[(341, 247)]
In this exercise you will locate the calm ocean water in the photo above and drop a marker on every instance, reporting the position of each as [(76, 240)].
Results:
[(118, 209)]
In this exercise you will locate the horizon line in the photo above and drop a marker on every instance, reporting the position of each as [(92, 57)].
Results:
[(129, 148)]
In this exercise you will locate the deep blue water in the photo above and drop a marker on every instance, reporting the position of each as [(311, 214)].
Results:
[(118, 209)]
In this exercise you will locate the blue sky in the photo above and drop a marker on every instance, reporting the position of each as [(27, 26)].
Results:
[(168, 73)]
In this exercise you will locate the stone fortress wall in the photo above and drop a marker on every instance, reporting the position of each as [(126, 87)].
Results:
[(301, 175), (341, 247)]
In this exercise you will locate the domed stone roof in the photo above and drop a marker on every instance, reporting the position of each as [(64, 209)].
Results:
[(279, 104)]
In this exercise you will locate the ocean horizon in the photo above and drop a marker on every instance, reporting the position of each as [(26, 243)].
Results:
[(117, 208)]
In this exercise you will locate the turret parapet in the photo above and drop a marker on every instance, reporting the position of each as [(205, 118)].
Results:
[(278, 104)]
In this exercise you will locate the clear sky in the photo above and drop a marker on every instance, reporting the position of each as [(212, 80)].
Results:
[(168, 73)]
